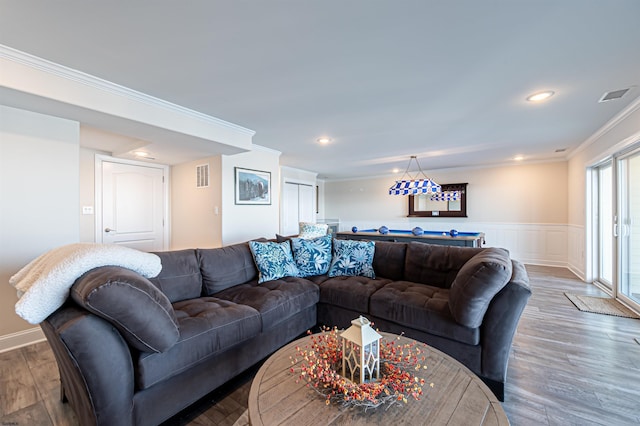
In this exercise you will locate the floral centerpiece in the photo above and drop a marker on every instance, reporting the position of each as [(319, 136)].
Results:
[(321, 360)]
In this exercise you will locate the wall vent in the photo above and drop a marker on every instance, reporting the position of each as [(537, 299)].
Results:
[(614, 94), (202, 176)]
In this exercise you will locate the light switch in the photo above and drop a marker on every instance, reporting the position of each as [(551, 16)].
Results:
[(87, 209)]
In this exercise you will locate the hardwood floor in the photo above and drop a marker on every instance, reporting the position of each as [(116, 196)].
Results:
[(566, 368)]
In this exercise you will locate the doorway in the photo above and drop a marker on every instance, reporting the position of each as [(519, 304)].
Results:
[(131, 204), (615, 212)]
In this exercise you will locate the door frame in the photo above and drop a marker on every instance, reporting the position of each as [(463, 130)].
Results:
[(101, 158)]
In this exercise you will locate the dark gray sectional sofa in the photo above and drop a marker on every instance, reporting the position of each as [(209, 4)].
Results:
[(133, 351)]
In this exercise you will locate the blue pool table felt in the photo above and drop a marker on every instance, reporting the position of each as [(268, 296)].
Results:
[(425, 233)]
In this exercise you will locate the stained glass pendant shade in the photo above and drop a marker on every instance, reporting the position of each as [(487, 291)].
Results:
[(414, 185)]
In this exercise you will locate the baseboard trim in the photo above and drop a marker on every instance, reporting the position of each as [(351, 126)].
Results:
[(17, 340)]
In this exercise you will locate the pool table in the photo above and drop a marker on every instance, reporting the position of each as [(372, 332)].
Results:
[(465, 239)]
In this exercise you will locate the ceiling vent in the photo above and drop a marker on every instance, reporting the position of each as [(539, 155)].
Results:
[(202, 176), (614, 94)]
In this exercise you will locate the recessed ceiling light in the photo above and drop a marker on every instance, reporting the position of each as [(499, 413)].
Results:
[(518, 158), (141, 154), (396, 170), (323, 140), (540, 96)]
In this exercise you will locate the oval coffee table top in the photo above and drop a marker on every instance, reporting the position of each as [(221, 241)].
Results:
[(458, 397)]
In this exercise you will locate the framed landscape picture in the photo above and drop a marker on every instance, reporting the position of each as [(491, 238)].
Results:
[(252, 186)]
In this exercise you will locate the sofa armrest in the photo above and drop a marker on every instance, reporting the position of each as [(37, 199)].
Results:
[(138, 309), (96, 369), (500, 323)]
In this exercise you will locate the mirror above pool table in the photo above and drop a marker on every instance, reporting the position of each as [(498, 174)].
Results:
[(423, 206)]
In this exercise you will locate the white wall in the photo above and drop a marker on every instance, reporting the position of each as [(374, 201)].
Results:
[(39, 186), (196, 213), (244, 222), (522, 207)]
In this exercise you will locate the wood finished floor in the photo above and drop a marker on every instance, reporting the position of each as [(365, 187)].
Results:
[(566, 368)]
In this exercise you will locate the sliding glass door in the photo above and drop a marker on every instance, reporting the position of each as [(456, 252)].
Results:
[(615, 212), (603, 212), (628, 229)]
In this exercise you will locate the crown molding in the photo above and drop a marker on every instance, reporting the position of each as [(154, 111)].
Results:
[(93, 82), (617, 119)]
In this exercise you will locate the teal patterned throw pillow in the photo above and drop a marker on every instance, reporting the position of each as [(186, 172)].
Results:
[(308, 230), (352, 258), (274, 260), (312, 257)]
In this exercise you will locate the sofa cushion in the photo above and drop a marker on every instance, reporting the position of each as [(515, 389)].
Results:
[(207, 326), (352, 258), (350, 292), (434, 264), (225, 267), (276, 300), (388, 259), (420, 307), (130, 302), (477, 282), (180, 278), (273, 260), (312, 256)]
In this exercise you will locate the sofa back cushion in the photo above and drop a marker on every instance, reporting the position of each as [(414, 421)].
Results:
[(435, 265), (180, 277), (137, 308), (389, 260), (477, 282), (225, 267)]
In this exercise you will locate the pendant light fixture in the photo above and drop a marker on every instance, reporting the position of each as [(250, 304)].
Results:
[(414, 185)]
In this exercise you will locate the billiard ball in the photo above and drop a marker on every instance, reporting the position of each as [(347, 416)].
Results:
[(453, 232), (417, 231), (354, 229), (383, 230)]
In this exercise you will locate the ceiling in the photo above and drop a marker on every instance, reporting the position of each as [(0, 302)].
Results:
[(385, 80)]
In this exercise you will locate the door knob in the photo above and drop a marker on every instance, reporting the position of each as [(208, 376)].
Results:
[(109, 230)]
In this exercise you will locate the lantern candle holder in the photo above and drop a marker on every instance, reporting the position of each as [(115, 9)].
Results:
[(361, 352)]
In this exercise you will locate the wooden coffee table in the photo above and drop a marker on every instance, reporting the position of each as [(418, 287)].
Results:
[(458, 397)]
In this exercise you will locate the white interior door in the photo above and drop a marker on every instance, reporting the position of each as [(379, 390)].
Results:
[(306, 211), (133, 206), (289, 216), (297, 206)]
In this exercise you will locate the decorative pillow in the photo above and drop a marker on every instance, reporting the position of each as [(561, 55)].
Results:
[(312, 230), (273, 260), (312, 257), (352, 258), (477, 282), (130, 302)]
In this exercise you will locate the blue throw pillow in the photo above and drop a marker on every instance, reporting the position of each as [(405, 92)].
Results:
[(274, 260), (312, 257), (352, 258)]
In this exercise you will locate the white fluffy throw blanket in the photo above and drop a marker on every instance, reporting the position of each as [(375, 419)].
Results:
[(43, 285)]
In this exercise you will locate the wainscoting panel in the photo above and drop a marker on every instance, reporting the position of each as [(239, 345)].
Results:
[(577, 251), (531, 243)]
